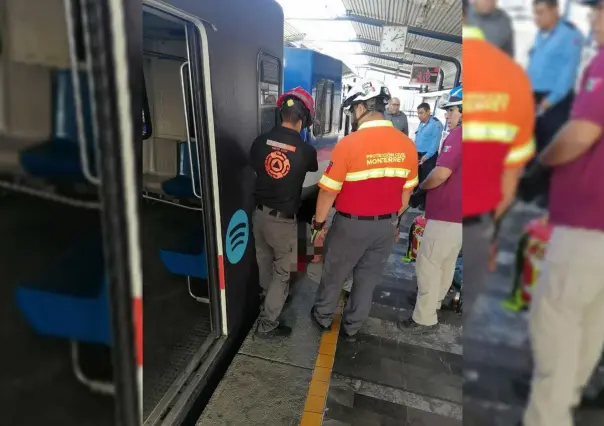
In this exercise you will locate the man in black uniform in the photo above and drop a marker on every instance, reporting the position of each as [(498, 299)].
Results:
[(281, 160)]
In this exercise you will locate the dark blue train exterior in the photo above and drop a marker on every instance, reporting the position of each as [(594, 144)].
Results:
[(307, 68)]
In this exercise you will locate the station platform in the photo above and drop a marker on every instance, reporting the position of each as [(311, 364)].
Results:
[(497, 355), (387, 377)]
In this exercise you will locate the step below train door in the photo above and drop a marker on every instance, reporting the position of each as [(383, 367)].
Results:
[(185, 304)]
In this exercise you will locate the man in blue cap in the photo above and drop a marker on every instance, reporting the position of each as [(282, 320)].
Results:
[(567, 314)]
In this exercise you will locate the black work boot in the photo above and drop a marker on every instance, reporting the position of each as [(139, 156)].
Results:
[(281, 332), (348, 338), (316, 322), (412, 327)]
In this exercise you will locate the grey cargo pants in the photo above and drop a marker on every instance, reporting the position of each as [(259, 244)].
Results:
[(477, 239), (360, 247), (275, 240)]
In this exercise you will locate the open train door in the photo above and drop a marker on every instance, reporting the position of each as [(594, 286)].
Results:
[(112, 33)]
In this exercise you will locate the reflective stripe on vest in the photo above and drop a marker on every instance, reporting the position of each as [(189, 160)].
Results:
[(377, 173), (474, 131), (473, 33)]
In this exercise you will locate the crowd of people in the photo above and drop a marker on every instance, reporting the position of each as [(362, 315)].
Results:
[(566, 316), (524, 132)]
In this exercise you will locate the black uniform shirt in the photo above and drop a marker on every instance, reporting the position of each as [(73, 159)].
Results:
[(281, 160)]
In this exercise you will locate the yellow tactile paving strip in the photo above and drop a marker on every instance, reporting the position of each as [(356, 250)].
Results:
[(319, 383)]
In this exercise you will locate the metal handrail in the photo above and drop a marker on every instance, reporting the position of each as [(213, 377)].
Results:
[(189, 146), (77, 95)]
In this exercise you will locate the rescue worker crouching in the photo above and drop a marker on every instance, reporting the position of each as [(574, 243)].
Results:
[(281, 160), (442, 238), (567, 316), (371, 176)]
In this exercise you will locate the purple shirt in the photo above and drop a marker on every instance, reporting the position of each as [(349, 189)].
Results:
[(577, 188), (444, 202)]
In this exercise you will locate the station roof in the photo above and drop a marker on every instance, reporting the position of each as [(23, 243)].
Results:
[(351, 30)]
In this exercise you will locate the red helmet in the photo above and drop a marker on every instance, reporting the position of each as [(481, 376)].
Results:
[(302, 95)]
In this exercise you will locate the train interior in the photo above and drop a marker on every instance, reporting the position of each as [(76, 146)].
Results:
[(53, 299), (177, 302)]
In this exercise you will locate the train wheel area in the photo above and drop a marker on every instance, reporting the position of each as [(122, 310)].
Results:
[(313, 378)]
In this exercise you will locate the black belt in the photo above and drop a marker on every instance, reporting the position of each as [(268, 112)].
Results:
[(275, 213), (379, 217), (470, 220)]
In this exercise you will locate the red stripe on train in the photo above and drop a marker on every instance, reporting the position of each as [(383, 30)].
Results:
[(221, 272), (138, 330)]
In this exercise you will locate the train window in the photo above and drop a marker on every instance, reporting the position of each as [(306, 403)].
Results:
[(323, 94), (269, 88)]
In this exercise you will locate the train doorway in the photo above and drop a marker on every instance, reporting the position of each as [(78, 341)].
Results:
[(179, 219)]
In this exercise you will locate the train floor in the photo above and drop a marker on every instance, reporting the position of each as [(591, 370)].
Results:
[(38, 383), (389, 377), (176, 325)]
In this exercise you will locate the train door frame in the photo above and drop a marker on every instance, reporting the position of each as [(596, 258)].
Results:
[(170, 409), (112, 53)]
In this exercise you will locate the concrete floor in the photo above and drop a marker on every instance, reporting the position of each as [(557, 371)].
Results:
[(497, 357), (389, 377)]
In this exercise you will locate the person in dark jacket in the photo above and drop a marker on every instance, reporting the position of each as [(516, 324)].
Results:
[(494, 22)]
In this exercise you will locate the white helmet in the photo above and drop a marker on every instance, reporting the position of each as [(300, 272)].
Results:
[(365, 90)]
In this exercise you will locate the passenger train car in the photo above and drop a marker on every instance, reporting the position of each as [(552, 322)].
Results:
[(69, 127), (320, 75), (94, 213)]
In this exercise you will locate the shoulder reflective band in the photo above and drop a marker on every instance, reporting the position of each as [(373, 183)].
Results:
[(411, 183), (330, 183), (473, 33), (474, 131), (521, 154)]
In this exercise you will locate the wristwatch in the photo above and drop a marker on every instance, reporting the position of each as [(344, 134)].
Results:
[(317, 226)]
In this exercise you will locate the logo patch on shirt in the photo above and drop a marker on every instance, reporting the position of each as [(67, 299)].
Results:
[(593, 84), (328, 167), (281, 146), (277, 165), (446, 148)]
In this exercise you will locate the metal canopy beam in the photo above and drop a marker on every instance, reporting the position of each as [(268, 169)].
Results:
[(383, 68), (402, 61), (411, 30), (379, 23), (423, 53)]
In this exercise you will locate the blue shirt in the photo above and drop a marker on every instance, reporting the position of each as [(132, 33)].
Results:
[(554, 61), (427, 137)]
